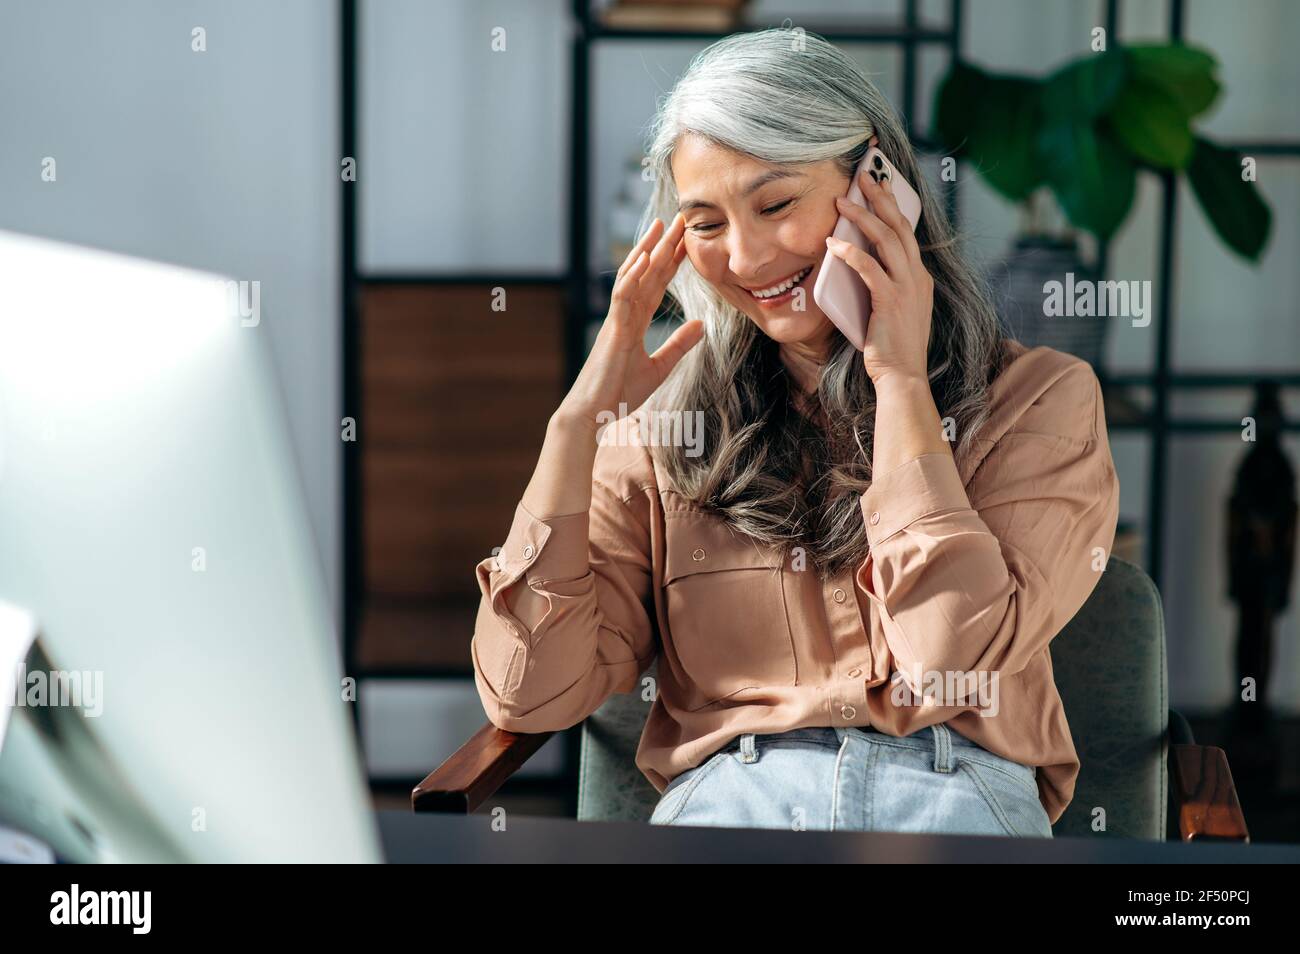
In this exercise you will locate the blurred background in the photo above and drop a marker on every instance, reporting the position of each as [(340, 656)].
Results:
[(383, 167)]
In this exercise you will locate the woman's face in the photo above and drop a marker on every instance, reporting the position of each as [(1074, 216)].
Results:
[(752, 228)]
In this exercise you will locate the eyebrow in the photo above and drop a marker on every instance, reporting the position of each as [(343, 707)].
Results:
[(770, 176)]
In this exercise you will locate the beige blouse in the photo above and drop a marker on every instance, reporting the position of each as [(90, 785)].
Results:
[(947, 618)]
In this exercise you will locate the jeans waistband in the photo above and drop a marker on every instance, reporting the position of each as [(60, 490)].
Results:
[(937, 737)]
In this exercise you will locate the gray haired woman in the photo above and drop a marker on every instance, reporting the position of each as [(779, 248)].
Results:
[(850, 593)]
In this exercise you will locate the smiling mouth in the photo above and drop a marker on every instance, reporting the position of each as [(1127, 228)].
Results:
[(782, 289)]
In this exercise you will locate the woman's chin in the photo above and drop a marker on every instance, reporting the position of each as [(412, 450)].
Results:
[(788, 326)]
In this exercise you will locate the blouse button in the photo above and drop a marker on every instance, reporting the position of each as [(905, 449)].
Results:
[(528, 552), (848, 712), (855, 672), (875, 517), (698, 555), (839, 595)]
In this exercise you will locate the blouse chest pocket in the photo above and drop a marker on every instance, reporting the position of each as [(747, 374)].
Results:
[(727, 616)]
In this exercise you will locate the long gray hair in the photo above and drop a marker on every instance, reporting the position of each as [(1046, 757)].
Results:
[(786, 96)]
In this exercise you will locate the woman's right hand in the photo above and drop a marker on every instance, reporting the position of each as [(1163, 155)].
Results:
[(619, 375)]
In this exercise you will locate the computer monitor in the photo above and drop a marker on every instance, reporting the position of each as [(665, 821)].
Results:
[(154, 535)]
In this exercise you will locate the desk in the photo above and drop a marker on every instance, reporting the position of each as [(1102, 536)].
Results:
[(408, 837)]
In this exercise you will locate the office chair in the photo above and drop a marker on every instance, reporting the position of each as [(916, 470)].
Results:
[(1109, 666)]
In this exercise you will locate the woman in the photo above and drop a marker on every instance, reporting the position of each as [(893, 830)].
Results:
[(851, 590)]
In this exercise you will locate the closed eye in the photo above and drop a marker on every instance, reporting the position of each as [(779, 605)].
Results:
[(769, 210)]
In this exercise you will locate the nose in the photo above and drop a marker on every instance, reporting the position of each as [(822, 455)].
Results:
[(749, 254)]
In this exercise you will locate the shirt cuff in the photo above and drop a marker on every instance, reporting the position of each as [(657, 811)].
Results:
[(551, 549), (922, 486)]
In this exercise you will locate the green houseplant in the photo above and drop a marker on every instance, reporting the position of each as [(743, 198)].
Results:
[(1084, 133), (1086, 130)]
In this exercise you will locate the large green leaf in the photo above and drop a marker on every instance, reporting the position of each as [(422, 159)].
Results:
[(1091, 175), (1003, 140), (1186, 72), (1232, 205), (1085, 88), (1147, 119), (991, 121), (957, 106)]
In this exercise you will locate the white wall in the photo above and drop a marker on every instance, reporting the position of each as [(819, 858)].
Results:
[(225, 160), (464, 146)]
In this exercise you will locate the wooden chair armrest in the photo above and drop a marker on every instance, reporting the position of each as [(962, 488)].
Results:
[(474, 772), (1204, 795)]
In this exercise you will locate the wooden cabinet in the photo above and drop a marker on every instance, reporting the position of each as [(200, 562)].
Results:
[(454, 403)]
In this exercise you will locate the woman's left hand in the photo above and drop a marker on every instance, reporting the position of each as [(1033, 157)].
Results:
[(902, 291)]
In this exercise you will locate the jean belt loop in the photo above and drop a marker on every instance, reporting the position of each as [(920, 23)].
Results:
[(942, 748), (748, 750)]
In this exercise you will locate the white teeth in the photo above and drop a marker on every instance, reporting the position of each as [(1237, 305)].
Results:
[(784, 287)]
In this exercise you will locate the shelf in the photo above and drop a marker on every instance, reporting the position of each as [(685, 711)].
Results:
[(834, 33), (408, 639), (1273, 148), (459, 278), (1188, 426), (1196, 380)]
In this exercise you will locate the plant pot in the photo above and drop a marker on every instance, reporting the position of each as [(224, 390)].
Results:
[(1020, 286)]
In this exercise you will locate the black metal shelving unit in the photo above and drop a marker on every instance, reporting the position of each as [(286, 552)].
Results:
[(1159, 424), (580, 282)]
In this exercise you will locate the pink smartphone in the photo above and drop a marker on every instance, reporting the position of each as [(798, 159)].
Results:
[(839, 291)]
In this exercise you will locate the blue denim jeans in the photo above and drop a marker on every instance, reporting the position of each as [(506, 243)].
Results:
[(858, 779)]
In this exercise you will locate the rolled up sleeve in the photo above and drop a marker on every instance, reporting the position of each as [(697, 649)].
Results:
[(977, 579), (546, 659)]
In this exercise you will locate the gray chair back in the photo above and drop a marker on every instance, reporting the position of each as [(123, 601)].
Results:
[(1109, 666)]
